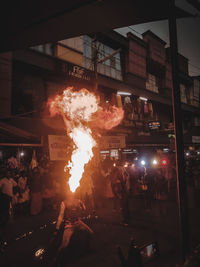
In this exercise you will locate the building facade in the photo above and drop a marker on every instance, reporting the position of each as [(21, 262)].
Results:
[(134, 73)]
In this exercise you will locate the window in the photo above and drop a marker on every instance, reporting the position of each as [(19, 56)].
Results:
[(151, 83), (110, 67), (196, 89), (112, 62), (46, 49), (183, 93), (75, 43)]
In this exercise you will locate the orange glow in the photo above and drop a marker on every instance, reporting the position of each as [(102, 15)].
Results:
[(80, 156), (78, 109), (109, 118)]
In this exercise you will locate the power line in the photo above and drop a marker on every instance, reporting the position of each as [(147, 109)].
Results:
[(194, 66)]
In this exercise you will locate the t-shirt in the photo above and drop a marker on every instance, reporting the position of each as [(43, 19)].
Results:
[(7, 185)]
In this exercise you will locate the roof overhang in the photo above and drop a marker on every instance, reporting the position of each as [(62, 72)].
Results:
[(28, 23)]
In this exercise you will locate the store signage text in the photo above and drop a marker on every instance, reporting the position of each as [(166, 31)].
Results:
[(154, 125), (113, 142), (76, 71), (57, 147)]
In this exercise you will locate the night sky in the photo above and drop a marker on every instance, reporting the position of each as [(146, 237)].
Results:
[(188, 31)]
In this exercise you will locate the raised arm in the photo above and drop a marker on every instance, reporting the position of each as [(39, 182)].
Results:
[(60, 216)]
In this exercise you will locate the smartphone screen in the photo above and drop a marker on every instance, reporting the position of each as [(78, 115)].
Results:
[(149, 252)]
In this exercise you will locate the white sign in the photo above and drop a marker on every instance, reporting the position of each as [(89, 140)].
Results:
[(113, 142), (195, 139), (57, 147)]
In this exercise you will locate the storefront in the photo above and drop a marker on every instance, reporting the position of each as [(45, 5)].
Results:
[(111, 146)]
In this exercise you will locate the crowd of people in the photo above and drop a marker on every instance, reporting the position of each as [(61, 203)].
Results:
[(27, 188), (130, 187), (30, 188)]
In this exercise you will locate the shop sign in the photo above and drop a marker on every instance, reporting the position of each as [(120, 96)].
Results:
[(76, 71), (57, 147), (154, 125), (195, 139), (113, 142)]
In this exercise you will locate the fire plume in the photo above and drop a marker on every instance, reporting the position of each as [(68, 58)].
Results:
[(109, 118), (81, 155), (78, 109)]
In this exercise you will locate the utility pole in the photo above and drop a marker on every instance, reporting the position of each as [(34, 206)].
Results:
[(96, 61), (179, 145)]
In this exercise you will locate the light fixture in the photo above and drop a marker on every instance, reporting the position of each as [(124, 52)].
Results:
[(123, 93), (105, 152), (164, 162), (39, 252), (22, 154), (143, 162), (154, 162), (166, 149), (143, 98)]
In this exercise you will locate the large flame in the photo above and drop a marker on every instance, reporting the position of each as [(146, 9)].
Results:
[(81, 155), (78, 108), (109, 118)]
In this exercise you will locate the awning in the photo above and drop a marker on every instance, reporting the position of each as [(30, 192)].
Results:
[(13, 136), (37, 127)]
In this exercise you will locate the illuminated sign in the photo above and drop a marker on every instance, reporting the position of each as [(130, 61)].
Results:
[(113, 142), (76, 71), (57, 147), (154, 125)]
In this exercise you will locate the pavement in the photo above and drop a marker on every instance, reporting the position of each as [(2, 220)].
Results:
[(25, 234)]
